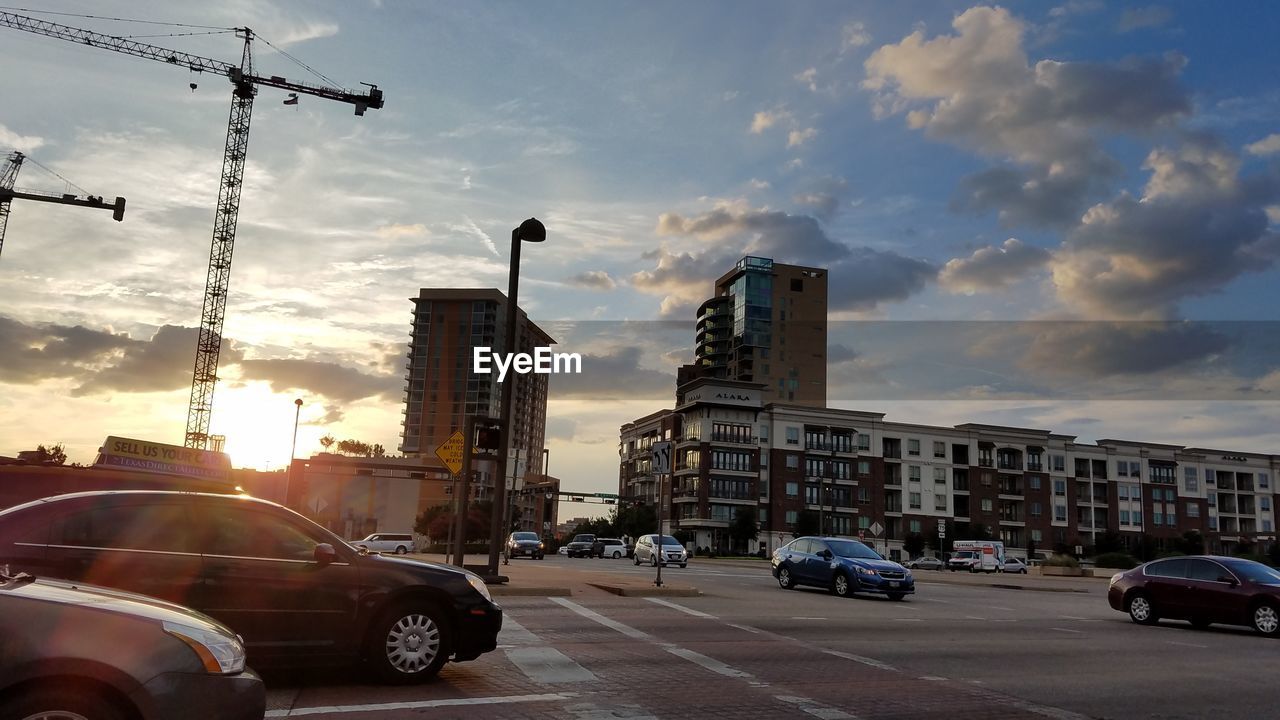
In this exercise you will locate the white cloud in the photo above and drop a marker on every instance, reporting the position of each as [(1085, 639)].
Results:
[(471, 228), (10, 140), (992, 268), (766, 119), (758, 184), (808, 78), (593, 280), (1143, 17), (397, 231), (1268, 145), (855, 36), (797, 138)]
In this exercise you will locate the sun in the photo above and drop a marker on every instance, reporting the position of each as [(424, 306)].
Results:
[(258, 424)]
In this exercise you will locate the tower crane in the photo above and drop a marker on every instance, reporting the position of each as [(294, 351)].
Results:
[(244, 86), (9, 174)]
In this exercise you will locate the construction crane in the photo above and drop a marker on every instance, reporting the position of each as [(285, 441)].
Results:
[(10, 173), (244, 86)]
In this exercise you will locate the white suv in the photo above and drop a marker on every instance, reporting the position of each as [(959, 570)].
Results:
[(672, 552), (398, 543)]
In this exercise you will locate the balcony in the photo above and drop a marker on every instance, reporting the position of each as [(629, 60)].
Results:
[(815, 445), (733, 439)]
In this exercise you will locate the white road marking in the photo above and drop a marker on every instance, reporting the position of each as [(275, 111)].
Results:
[(860, 659), (591, 711), (1071, 617), (744, 627), (933, 678), (711, 664), (812, 708), (548, 665), (1175, 642), (1003, 609), (973, 617), (681, 608), (807, 618), (513, 634), (1065, 630), (417, 704), (944, 602), (908, 620), (597, 617)]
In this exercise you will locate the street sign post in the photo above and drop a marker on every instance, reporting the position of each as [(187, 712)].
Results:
[(660, 465)]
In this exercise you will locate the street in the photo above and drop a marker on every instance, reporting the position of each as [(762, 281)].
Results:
[(959, 648)]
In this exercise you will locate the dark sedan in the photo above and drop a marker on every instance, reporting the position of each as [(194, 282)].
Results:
[(845, 567), (85, 652), (296, 592), (1200, 589), (524, 544)]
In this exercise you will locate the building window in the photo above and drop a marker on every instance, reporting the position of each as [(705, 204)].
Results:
[(1213, 522), (1122, 492), (1060, 513), (913, 446), (1036, 536), (793, 436), (1190, 477), (1034, 482), (1035, 509), (913, 473), (1212, 499), (939, 502), (986, 504), (940, 475), (811, 495), (724, 432), (1137, 517), (793, 489), (1157, 517), (915, 526), (1210, 477), (764, 433), (793, 462), (1060, 488), (864, 467), (1266, 526), (914, 500), (791, 517), (1059, 463), (1171, 520), (1193, 510), (939, 449), (864, 522), (864, 441), (986, 479), (763, 515), (1264, 481), (864, 496), (1124, 517), (1161, 474), (1264, 502)]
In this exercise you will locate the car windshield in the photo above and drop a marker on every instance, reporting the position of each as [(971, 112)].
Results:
[(668, 540), (852, 549), (965, 554), (1255, 571), (524, 536), (584, 538)]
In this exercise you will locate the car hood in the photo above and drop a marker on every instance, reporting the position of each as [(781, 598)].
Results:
[(534, 543), (113, 601), (888, 565), (580, 544)]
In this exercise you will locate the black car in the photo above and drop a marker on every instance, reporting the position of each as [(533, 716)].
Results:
[(1203, 590), (296, 592), (84, 652), (581, 545), (525, 544)]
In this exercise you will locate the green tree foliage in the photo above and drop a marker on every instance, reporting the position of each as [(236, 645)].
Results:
[(327, 442), (51, 454), (1191, 543), (744, 528), (378, 451), (913, 545), (1109, 542), (633, 521)]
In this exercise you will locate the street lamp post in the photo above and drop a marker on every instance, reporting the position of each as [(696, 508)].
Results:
[(293, 449), (530, 230)]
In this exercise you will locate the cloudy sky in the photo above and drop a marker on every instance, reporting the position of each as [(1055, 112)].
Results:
[(1062, 216)]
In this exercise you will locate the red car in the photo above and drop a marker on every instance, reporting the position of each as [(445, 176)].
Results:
[(1201, 589)]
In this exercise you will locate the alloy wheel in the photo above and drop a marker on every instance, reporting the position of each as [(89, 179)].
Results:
[(1266, 620)]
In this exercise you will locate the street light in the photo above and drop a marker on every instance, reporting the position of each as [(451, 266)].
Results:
[(530, 230), (293, 448)]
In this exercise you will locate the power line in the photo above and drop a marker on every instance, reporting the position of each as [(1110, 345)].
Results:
[(55, 174), (305, 66), (116, 19), (211, 32)]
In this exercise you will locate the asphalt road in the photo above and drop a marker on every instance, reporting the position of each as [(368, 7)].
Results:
[(747, 649)]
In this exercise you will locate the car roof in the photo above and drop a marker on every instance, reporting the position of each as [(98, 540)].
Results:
[(67, 497)]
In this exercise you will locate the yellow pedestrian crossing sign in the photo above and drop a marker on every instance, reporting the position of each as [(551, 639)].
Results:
[(450, 452)]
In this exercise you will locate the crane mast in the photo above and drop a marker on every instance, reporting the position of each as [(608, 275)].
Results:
[(244, 87), (7, 194)]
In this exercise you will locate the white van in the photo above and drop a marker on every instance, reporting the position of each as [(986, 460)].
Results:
[(398, 543), (977, 556)]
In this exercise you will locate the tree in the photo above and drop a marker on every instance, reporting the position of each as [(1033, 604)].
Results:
[(354, 447), (1274, 554), (327, 442), (1109, 542), (744, 528), (422, 525), (807, 523), (913, 545), (378, 451), (1191, 543), (50, 455), (635, 520)]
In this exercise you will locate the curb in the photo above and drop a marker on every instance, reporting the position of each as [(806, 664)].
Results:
[(1032, 589), (647, 590), (518, 591)]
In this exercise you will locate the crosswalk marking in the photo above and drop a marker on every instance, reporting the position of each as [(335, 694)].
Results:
[(548, 665)]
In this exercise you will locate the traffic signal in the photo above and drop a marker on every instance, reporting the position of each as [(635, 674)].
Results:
[(489, 437)]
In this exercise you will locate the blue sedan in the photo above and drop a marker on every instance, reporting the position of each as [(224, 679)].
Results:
[(845, 567)]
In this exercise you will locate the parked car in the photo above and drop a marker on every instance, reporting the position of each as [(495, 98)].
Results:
[(1014, 565), (1202, 589), (525, 544), (564, 550), (84, 652), (669, 552), (398, 543), (608, 548), (926, 563), (580, 546), (845, 567), (296, 592)]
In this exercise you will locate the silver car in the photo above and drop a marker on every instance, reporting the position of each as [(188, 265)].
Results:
[(398, 543), (1014, 565), (926, 563), (671, 552)]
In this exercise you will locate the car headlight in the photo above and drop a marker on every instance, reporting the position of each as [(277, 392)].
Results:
[(219, 653), (479, 585), (864, 571), (541, 545)]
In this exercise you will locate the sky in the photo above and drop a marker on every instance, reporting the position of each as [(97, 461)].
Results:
[(1055, 216)]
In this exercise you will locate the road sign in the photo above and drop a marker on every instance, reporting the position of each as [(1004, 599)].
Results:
[(661, 452), (876, 528), (450, 452)]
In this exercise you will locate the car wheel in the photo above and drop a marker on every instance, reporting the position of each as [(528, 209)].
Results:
[(616, 554), (897, 596), (840, 585), (653, 560), (401, 550), (684, 565), (1265, 618), (636, 558), (785, 581), (409, 644), (54, 702), (1141, 610)]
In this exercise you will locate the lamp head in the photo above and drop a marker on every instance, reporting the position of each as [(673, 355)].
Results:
[(298, 402), (531, 230)]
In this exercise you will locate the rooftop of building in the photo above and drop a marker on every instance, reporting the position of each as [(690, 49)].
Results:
[(472, 294)]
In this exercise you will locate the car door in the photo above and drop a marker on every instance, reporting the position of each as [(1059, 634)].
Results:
[(798, 554), (261, 578), (1167, 586), (1209, 596), (141, 544), (818, 565)]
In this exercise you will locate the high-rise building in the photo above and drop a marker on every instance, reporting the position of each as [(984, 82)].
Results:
[(766, 324), (442, 390)]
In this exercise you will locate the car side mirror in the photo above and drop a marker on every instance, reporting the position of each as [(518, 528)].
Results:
[(1228, 580), (325, 554)]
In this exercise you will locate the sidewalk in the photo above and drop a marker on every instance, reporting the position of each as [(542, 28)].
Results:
[(532, 577)]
